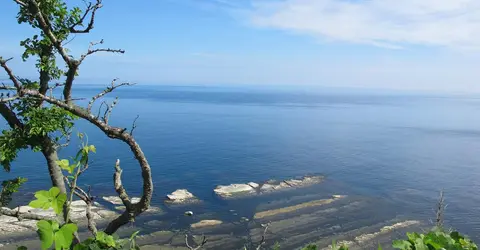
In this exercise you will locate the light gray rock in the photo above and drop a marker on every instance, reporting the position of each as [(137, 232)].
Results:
[(47, 213), (267, 188), (106, 213), (253, 185), (30, 224), (7, 219), (233, 189), (181, 196), (294, 182), (24, 209), (115, 200), (7, 228)]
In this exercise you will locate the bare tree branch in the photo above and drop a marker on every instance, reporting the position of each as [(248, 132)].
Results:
[(5, 87), (20, 3), (10, 116), (134, 125), (440, 211), (109, 110), (89, 27), (91, 50), (264, 236), (204, 241), (106, 91), (8, 99), (3, 64), (115, 133)]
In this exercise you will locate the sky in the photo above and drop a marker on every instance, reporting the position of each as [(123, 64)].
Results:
[(427, 45)]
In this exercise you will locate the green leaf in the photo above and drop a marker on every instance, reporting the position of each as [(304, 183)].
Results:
[(57, 203), (45, 233), (379, 247), (47, 199), (80, 246), (43, 200), (134, 235), (64, 164), (64, 236), (53, 192), (100, 236), (402, 244), (92, 148), (413, 236), (110, 241), (419, 245)]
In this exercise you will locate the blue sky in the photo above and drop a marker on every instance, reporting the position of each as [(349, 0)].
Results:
[(431, 45)]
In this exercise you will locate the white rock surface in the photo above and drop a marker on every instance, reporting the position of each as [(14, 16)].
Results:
[(7, 219), (181, 196), (294, 182), (253, 185), (267, 188), (115, 200), (233, 189)]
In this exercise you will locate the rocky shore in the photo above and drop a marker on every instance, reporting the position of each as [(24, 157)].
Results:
[(295, 219)]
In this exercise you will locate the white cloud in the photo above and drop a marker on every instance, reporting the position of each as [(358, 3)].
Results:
[(386, 23)]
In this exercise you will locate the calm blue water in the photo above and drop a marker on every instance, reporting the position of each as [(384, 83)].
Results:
[(401, 148)]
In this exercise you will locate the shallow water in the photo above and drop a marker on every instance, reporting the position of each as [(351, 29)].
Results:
[(397, 148)]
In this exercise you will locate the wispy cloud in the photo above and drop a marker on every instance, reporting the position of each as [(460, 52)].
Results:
[(385, 23)]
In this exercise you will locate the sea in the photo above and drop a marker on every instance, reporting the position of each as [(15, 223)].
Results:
[(399, 147)]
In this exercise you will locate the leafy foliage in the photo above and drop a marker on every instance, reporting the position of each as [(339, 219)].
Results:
[(111, 242), (9, 187), (50, 232), (49, 199), (11, 142), (435, 240)]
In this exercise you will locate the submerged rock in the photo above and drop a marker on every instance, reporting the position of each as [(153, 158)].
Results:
[(296, 208), (181, 196), (206, 223), (115, 200), (233, 190)]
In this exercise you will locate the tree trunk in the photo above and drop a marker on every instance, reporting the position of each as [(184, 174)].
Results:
[(56, 175)]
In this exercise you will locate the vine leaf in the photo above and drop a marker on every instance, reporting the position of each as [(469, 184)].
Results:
[(49, 199), (45, 233), (64, 236)]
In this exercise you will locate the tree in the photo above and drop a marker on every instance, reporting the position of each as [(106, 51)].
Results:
[(44, 123)]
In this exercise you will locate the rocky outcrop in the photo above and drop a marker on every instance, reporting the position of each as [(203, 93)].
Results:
[(206, 223), (11, 224), (234, 190), (252, 188), (115, 200), (181, 196)]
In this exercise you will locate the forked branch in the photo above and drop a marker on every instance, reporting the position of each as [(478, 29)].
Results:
[(204, 241), (90, 8)]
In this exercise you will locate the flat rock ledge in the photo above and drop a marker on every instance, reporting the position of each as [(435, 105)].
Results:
[(11, 224), (206, 223), (117, 202), (252, 188), (181, 196)]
